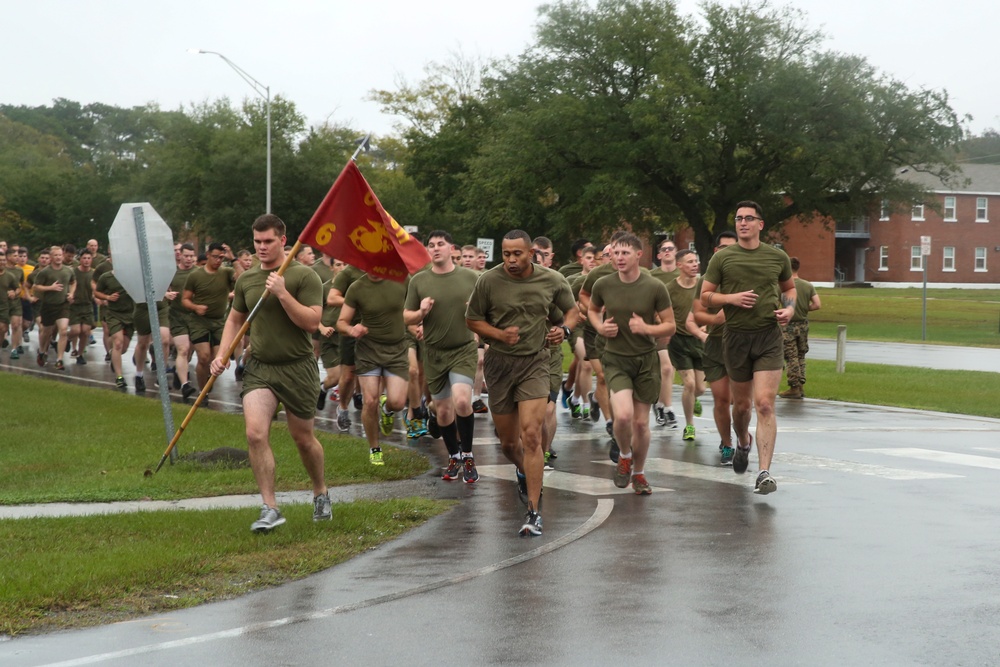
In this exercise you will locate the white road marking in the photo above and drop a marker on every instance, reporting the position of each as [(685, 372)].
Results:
[(601, 513), (990, 462), (566, 481), (837, 465), (722, 474)]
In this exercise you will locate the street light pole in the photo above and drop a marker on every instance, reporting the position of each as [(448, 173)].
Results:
[(266, 94)]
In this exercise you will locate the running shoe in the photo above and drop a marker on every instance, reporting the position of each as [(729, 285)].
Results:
[(270, 518), (322, 511), (385, 419), (595, 407), (522, 486), (671, 419), (567, 394), (375, 457), (177, 381), (40, 359), (548, 461), (140, 385), (72, 353), (120, 383), (321, 401), (453, 470), (697, 408), (623, 473), (614, 453), (610, 428), (107, 356), (469, 475), (576, 411), (765, 483), (585, 412), (80, 361), (552, 452), (640, 485), (16, 354), (689, 432), (358, 402), (60, 366), (343, 421), (661, 415), (187, 390), (741, 460), (415, 428), (727, 456), (532, 526), (479, 408), (433, 428)]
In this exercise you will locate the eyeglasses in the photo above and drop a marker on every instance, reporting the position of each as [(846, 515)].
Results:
[(668, 248), (748, 218)]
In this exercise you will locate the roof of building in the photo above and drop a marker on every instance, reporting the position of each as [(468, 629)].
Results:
[(974, 179)]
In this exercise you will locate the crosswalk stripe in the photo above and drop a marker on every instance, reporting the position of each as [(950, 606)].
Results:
[(837, 465), (565, 481), (990, 462)]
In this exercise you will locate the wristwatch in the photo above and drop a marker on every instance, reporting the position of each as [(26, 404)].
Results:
[(567, 332)]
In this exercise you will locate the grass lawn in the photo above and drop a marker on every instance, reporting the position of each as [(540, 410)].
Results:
[(73, 443), (954, 316), (73, 572)]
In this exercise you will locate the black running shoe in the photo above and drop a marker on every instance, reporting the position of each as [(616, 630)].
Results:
[(321, 401), (433, 428), (140, 385), (177, 381), (187, 390), (741, 460), (522, 487), (614, 452), (358, 402)]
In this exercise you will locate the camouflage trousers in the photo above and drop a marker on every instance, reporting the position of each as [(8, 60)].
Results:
[(796, 336)]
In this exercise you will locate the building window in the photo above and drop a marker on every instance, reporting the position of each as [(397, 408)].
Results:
[(980, 259), (948, 259), (981, 210), (918, 213), (883, 258), (886, 211), (916, 259), (949, 209)]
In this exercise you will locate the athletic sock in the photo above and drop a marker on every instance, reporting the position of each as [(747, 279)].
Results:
[(466, 426), (450, 436)]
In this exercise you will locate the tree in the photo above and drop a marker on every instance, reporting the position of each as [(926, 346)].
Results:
[(625, 112)]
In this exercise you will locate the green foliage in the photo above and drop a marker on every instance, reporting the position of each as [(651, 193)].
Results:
[(109, 568)]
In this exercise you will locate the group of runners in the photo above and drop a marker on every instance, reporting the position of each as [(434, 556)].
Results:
[(426, 347)]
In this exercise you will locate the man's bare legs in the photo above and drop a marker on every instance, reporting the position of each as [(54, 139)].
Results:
[(521, 441), (760, 393)]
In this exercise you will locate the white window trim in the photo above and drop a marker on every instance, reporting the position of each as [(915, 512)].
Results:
[(913, 213), (945, 258), (986, 208), (954, 209), (883, 265), (884, 211), (921, 267), (975, 260)]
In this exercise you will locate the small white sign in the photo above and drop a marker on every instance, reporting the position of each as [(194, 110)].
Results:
[(411, 229), (925, 245), (487, 246)]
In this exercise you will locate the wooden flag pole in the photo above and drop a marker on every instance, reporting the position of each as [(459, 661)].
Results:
[(229, 353)]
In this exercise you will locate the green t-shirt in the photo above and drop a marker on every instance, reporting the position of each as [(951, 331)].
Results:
[(444, 326), (274, 338), (804, 292), (664, 277), (571, 269), (326, 276), (50, 276), (735, 269), (595, 275), (101, 269), (108, 284), (379, 304), (8, 281), (84, 287), (346, 278), (646, 297), (211, 289), (681, 299), (504, 302), (177, 285)]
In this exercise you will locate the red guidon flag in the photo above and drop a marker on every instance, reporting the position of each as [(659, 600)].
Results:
[(352, 226)]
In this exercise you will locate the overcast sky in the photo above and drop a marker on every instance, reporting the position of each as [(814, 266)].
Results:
[(326, 55)]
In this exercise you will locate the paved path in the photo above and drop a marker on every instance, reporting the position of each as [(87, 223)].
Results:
[(943, 357)]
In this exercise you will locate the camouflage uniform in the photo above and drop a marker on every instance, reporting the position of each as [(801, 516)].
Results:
[(796, 336)]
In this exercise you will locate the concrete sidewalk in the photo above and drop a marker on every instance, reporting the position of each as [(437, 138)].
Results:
[(940, 357)]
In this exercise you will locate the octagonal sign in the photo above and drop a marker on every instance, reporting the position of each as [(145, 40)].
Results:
[(126, 254)]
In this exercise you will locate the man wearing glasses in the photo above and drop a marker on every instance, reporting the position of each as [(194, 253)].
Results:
[(752, 282), (666, 272)]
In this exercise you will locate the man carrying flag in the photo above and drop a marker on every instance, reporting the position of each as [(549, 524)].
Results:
[(281, 366)]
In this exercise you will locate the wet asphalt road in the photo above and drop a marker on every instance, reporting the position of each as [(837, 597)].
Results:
[(879, 547)]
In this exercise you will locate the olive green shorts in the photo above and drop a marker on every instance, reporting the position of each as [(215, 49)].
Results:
[(555, 371), (81, 313), (347, 346), (295, 384), (179, 324), (713, 361), (685, 353), (442, 368), (118, 322), (593, 344), (639, 374), (371, 358), (14, 308), (206, 330), (51, 313), (513, 379), (329, 350), (747, 352), (140, 318)]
